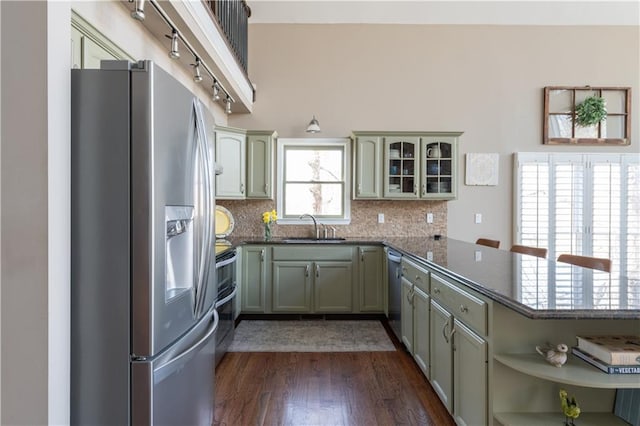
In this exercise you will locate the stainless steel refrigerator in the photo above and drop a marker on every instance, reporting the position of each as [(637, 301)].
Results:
[(143, 286)]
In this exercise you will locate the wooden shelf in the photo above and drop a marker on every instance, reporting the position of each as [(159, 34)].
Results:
[(546, 419), (574, 372)]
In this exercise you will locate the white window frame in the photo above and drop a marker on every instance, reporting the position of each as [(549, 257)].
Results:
[(345, 145)]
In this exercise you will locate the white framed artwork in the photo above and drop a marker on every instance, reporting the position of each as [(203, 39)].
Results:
[(482, 169)]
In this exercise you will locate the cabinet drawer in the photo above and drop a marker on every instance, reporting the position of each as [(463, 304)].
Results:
[(315, 252), (464, 306), (415, 274)]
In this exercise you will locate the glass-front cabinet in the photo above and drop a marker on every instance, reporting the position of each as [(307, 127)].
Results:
[(438, 165), (401, 167)]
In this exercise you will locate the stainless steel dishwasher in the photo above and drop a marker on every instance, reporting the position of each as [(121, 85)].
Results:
[(395, 292)]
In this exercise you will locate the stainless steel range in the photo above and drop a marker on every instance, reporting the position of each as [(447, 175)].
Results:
[(227, 289)]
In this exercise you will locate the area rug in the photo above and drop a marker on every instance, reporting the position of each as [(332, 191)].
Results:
[(310, 336)]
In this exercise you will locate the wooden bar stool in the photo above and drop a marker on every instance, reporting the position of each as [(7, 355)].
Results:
[(488, 243), (599, 263), (533, 251)]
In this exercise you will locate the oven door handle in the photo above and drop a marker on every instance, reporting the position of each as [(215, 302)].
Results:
[(228, 298), (226, 262)]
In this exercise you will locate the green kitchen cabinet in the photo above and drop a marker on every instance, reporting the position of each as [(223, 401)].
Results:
[(256, 275), (291, 286), (415, 312), (405, 165), (442, 354), (371, 279), (406, 314), (470, 374), (367, 166), (421, 332), (438, 165), (260, 160), (401, 166), (332, 286), (230, 151)]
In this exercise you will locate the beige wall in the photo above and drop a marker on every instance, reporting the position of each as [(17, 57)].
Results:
[(483, 80)]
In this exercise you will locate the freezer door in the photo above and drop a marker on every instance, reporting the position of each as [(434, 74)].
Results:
[(172, 184), (178, 388)]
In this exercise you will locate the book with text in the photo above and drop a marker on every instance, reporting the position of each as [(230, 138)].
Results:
[(607, 368), (614, 350)]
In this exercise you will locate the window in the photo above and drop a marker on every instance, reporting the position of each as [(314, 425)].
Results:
[(585, 204), (312, 178)]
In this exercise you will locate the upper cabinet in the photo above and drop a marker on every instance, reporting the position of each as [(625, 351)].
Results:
[(231, 156), (246, 158), (260, 163), (89, 46), (405, 165)]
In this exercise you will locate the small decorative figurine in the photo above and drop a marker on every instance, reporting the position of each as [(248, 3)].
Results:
[(569, 408), (555, 355)]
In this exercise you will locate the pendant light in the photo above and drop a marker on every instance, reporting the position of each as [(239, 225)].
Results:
[(314, 126)]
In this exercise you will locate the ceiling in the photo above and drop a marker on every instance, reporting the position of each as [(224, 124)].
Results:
[(478, 12)]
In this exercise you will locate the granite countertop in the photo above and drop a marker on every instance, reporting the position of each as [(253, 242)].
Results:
[(536, 288)]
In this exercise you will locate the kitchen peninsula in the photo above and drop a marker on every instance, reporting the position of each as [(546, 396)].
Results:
[(486, 310)]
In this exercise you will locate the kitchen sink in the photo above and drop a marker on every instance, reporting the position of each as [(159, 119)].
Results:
[(312, 240)]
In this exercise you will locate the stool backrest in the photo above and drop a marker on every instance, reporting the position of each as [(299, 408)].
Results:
[(599, 263), (488, 243), (533, 251)]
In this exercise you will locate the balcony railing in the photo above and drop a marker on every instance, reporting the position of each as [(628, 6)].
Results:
[(232, 17)]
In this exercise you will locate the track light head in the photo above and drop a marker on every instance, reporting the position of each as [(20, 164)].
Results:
[(138, 13), (173, 53), (216, 90), (228, 106), (197, 77)]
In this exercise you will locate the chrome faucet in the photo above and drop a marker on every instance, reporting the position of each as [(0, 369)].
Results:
[(315, 223)]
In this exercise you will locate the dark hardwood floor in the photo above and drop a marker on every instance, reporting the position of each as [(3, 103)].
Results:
[(326, 388)]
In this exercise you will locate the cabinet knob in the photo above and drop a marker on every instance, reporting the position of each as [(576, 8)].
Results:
[(242, 188), (266, 187), (306, 271), (436, 290), (262, 255), (424, 189), (317, 270), (464, 309)]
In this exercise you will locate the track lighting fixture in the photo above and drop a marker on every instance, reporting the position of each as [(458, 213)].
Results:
[(173, 53), (228, 106), (314, 126), (199, 66), (138, 13), (197, 77), (216, 90)]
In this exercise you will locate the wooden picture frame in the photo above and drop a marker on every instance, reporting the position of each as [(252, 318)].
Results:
[(559, 124)]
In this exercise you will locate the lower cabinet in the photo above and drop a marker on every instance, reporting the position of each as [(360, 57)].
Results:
[(406, 314), (442, 354), (304, 287), (256, 276), (332, 287), (469, 376), (291, 286), (421, 330), (459, 372), (371, 279)]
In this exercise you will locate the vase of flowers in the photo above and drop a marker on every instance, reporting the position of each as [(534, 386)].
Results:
[(268, 218)]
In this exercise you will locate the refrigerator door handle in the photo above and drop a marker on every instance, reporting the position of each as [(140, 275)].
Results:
[(205, 250), (167, 369)]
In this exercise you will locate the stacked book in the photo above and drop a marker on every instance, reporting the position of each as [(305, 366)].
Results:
[(611, 354)]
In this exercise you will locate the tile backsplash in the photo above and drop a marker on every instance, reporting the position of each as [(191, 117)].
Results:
[(401, 219)]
